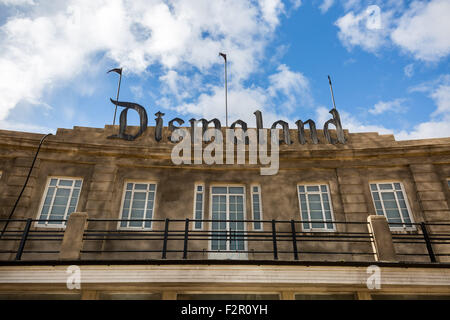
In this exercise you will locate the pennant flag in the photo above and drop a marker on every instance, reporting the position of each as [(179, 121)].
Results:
[(118, 70), (223, 55)]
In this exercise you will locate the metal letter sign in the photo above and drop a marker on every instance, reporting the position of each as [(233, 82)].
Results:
[(336, 121), (123, 120)]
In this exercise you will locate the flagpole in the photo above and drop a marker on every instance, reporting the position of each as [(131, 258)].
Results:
[(226, 95), (224, 56), (118, 91), (332, 94)]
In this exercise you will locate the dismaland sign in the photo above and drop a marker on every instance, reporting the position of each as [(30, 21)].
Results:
[(238, 136), (238, 124)]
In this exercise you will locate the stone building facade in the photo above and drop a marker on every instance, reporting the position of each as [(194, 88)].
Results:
[(138, 226)]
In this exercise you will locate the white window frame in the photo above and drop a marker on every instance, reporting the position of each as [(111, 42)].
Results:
[(261, 228), (402, 189), (195, 205), (238, 255), (119, 227), (41, 205), (319, 184)]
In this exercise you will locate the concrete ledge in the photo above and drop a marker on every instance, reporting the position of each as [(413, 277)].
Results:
[(298, 275)]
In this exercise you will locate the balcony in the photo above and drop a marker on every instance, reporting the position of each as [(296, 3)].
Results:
[(102, 240)]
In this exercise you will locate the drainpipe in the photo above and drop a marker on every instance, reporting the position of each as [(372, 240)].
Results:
[(25, 184)]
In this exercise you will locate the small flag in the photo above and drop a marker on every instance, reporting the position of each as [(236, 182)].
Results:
[(118, 70), (223, 55)]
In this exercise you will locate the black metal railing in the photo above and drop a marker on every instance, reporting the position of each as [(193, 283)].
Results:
[(422, 240), (23, 237), (177, 239)]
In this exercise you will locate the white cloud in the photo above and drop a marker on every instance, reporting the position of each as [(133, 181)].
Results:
[(271, 10), (436, 127), (293, 86), (439, 123), (17, 2), (421, 29), (426, 130), (326, 4), (290, 87), (358, 29), (409, 70), (350, 122), (47, 45), (396, 105), (424, 30)]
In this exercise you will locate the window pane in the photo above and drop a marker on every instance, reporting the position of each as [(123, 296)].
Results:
[(236, 190), (373, 187), (312, 188), (219, 190), (140, 186), (385, 186), (49, 197), (65, 183)]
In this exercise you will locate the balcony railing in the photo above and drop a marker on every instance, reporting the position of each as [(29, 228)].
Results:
[(172, 239)]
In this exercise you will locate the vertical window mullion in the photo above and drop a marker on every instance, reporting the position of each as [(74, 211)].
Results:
[(68, 202), (145, 206), (131, 206), (307, 209), (398, 206), (50, 209), (380, 194), (322, 207)]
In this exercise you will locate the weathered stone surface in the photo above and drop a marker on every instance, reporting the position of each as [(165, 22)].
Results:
[(73, 236), (382, 238), (434, 205)]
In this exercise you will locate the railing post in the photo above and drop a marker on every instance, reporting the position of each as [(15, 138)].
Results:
[(294, 240), (186, 237), (382, 238), (72, 243), (274, 238), (24, 239), (166, 235), (428, 242)]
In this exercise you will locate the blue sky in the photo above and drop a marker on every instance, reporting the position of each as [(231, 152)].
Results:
[(389, 61)]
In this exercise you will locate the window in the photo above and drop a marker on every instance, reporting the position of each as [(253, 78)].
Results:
[(448, 182), (256, 207), (390, 200), (227, 203), (138, 204), (199, 196), (60, 200), (315, 207)]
